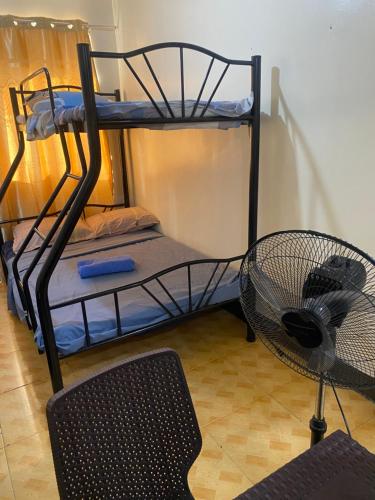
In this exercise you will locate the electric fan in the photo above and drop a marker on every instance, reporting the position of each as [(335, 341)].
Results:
[(311, 299)]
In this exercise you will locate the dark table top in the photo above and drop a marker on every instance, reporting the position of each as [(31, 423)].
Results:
[(337, 468)]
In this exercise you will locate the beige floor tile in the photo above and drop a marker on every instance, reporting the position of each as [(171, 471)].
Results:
[(218, 389), (31, 468), (214, 476), (260, 438), (260, 366), (299, 397), (89, 362), (23, 411), (21, 367), (15, 341), (6, 490), (197, 342), (365, 435), (203, 339), (14, 335)]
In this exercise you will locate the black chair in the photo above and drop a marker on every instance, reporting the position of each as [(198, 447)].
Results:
[(127, 432), (336, 468)]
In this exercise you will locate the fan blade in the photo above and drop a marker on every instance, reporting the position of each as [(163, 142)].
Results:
[(333, 307), (275, 296), (323, 357), (353, 300)]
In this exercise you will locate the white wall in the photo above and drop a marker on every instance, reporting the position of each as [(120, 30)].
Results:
[(317, 150), (318, 104), (94, 12)]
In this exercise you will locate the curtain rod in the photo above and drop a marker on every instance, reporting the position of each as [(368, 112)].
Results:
[(102, 27), (69, 24)]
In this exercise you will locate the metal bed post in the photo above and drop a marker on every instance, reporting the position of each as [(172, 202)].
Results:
[(25, 280), (14, 166), (21, 146), (3, 263), (254, 160), (78, 205), (25, 299), (254, 165), (124, 169)]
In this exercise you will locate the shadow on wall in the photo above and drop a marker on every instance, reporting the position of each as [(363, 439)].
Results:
[(281, 205), (279, 193)]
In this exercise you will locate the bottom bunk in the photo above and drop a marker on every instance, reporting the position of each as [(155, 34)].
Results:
[(170, 280)]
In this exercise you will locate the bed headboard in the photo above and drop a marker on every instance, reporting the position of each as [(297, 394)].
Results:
[(167, 115)]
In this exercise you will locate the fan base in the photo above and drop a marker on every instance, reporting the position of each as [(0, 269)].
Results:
[(318, 428)]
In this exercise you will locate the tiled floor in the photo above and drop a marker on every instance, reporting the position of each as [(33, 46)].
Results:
[(253, 411)]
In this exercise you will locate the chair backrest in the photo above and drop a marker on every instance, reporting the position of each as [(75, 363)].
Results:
[(129, 431)]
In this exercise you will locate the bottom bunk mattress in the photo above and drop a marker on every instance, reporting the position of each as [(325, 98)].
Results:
[(137, 308)]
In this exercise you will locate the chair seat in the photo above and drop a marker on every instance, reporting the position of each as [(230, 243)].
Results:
[(337, 468)]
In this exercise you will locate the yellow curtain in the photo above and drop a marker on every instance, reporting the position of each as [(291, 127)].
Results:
[(25, 47)]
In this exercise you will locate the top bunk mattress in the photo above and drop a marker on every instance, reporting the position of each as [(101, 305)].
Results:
[(69, 107)]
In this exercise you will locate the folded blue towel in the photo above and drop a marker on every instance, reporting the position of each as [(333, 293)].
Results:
[(99, 267)]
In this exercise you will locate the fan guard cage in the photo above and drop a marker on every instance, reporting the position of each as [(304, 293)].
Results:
[(286, 259)]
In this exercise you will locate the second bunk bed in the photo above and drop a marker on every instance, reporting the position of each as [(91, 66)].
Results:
[(171, 281)]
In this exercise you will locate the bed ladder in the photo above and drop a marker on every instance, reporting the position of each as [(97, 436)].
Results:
[(23, 283)]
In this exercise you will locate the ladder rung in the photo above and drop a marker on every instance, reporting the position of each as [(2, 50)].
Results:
[(41, 235), (73, 176)]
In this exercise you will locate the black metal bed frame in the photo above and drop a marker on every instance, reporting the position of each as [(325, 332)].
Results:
[(23, 284), (78, 200)]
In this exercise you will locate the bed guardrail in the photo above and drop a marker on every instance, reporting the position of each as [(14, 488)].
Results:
[(41, 71), (168, 115), (26, 94), (201, 302), (17, 220), (103, 206), (23, 285)]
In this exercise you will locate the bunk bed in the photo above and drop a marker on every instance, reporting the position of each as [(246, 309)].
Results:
[(172, 281)]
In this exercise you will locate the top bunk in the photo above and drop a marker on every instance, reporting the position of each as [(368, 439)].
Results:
[(50, 110)]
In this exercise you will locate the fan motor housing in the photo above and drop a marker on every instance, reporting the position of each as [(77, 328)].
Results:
[(304, 326), (335, 274)]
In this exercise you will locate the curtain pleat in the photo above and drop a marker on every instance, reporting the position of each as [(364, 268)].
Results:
[(23, 49)]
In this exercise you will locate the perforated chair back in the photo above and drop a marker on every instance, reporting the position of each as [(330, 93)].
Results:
[(128, 432)]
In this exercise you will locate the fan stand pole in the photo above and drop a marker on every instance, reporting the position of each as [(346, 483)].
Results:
[(318, 425)]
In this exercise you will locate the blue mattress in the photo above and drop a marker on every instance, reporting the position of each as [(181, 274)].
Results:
[(40, 124), (7, 254), (152, 252), (7, 250)]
